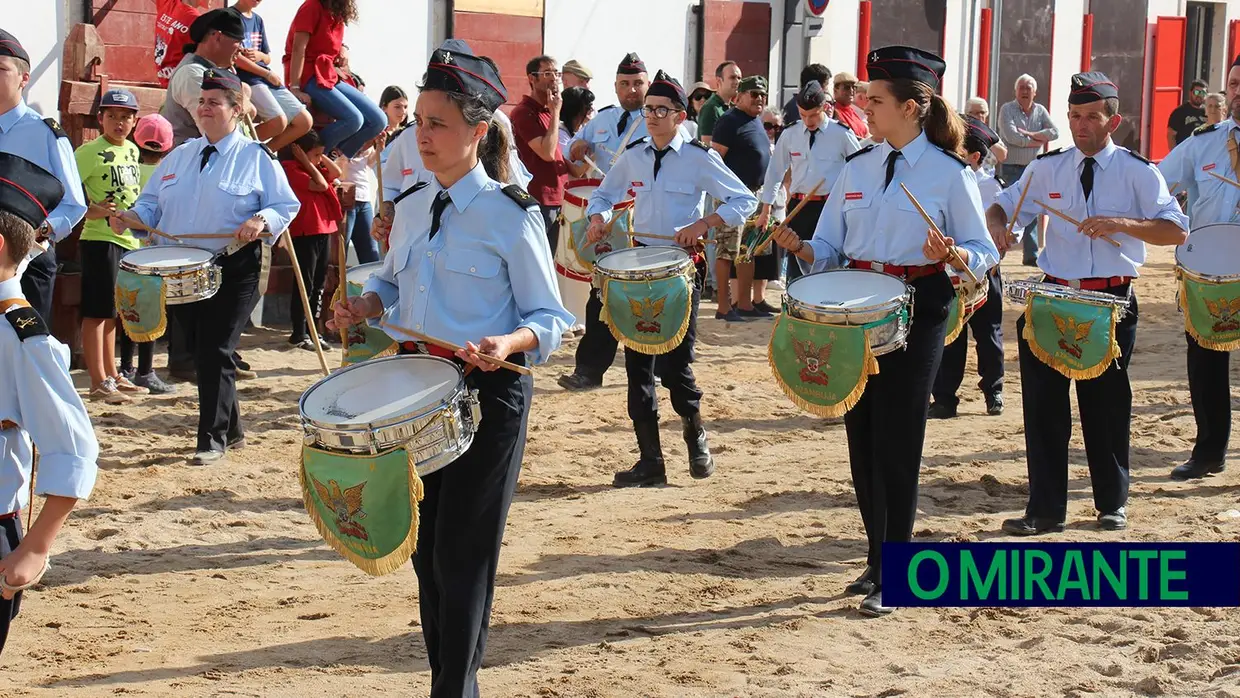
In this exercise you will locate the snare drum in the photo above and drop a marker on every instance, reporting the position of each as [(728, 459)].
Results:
[(968, 298), (575, 255), (1207, 267), (1071, 330), (855, 297), (417, 402), (189, 273), (647, 295), (359, 275), (1021, 290)]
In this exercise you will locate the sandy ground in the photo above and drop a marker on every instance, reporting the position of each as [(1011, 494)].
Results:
[(175, 580)]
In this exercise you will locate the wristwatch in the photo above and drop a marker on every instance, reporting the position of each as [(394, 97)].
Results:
[(266, 225)]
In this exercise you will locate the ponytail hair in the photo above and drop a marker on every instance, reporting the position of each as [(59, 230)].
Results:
[(494, 146), (941, 124)]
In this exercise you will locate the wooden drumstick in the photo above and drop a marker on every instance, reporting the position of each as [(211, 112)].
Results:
[(305, 304), (342, 288), (443, 344), (1071, 220), (952, 254), (652, 236), (1019, 204), (792, 214), (1230, 181), (143, 226)]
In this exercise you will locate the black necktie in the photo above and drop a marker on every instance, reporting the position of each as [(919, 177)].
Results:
[(658, 160), (624, 121), (207, 152), (1087, 178), (441, 202), (812, 135), (891, 168)]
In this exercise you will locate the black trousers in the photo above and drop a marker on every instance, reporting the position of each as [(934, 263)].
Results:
[(1106, 417), (312, 256), (674, 369), (803, 225), (597, 349), (463, 515), (887, 427), (1209, 384), (38, 282), (10, 538), (550, 216), (987, 328), (216, 324)]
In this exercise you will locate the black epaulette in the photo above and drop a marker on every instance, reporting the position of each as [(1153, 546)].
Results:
[(521, 196), (1002, 184), (415, 188), (1209, 128), (270, 153), (954, 156), (846, 126), (1138, 156), (700, 144), (1049, 153), (634, 144), (56, 129), (863, 151), (27, 323), (609, 106)]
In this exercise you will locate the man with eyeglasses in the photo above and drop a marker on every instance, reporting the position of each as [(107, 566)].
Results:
[(846, 112), (1187, 117), (536, 128)]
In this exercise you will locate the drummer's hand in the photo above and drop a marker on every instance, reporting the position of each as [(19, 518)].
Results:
[(787, 238), (1099, 226), (498, 347), (124, 221), (938, 246), (578, 150), (764, 219), (21, 567), (251, 229), (597, 230), (689, 235), (999, 235), (381, 229), (352, 311)]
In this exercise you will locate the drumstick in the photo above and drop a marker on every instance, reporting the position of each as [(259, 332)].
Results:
[(1019, 204), (342, 288), (588, 161), (305, 304), (708, 241), (792, 214), (952, 254), (1230, 181), (1071, 220), (143, 226), (216, 236), (442, 344), (1172, 188)]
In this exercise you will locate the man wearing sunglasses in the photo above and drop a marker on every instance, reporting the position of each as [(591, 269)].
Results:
[(1189, 116)]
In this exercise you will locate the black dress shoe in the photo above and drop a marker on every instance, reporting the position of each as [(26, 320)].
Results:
[(576, 381), (1114, 520), (994, 404), (942, 410), (1031, 526), (1195, 469), (766, 307), (863, 585), (701, 463), (872, 605)]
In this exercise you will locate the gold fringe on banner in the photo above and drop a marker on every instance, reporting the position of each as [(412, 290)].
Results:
[(1071, 373), (954, 331), (160, 329), (653, 349), (840, 408), (1211, 344)]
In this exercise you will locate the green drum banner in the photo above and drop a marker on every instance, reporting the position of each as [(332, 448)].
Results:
[(1211, 313), (141, 304), (365, 342), (650, 317), (955, 317), (1077, 339), (617, 238), (364, 506), (821, 368)]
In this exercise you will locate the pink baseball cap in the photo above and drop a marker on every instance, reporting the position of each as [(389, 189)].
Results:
[(153, 133)]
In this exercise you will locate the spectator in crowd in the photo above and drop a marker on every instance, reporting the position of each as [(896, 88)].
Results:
[(315, 41), (769, 267), (536, 126), (740, 138), (312, 175), (356, 189), (576, 75), (846, 111), (728, 75), (862, 98), (344, 70), (1215, 102), (172, 34), (284, 118), (1026, 128), (977, 108), (810, 73), (1189, 116), (698, 95), (577, 110), (215, 38)]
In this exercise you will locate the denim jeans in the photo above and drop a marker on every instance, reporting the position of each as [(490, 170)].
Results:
[(357, 227), (358, 120), (1011, 174)]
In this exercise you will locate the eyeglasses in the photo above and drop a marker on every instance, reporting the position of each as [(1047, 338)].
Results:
[(1199, 93), (548, 74), (659, 112), (772, 127)]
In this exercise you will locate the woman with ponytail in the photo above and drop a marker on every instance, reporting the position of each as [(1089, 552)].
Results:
[(869, 223), (469, 264)]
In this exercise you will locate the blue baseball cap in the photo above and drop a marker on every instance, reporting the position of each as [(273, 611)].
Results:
[(120, 98)]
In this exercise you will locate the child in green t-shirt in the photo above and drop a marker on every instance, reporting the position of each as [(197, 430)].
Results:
[(109, 169)]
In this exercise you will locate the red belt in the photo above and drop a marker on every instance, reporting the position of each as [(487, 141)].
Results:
[(432, 349), (817, 197), (1098, 284), (907, 273), (10, 515)]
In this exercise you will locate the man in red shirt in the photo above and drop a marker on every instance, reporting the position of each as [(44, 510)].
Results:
[(536, 128), (172, 33), (846, 112)]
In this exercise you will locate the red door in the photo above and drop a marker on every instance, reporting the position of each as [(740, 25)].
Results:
[(1168, 81), (511, 40), (736, 31)]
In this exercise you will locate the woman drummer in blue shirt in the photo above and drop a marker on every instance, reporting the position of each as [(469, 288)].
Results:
[(227, 186), (470, 265), (869, 223)]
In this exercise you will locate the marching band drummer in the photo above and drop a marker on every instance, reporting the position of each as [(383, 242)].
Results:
[(869, 223), (227, 184), (1117, 195), (1211, 150), (669, 175), (469, 264)]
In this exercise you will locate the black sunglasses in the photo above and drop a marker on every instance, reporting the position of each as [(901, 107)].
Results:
[(772, 127)]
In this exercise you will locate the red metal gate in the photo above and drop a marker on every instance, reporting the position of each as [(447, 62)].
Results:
[(1167, 91)]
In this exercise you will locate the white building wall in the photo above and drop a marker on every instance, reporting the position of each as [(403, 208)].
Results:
[(1066, 62), (836, 46), (42, 34)]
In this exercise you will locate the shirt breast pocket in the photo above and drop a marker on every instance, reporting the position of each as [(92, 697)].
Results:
[(1207, 183), (243, 196), (1118, 203), (934, 208), (475, 282)]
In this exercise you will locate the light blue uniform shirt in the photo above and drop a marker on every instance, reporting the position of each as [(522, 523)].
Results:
[(487, 272), (674, 200), (402, 163), (37, 394), (239, 181), (1124, 186), (863, 222), (23, 133), (1190, 165), (824, 161), (606, 138)]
